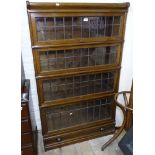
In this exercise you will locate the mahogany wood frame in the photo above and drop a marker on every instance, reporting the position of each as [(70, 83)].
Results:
[(75, 9)]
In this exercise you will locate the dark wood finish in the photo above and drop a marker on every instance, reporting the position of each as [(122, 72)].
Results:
[(25, 125), (79, 139), (110, 7), (72, 135), (60, 140), (24, 111), (76, 27), (28, 137), (28, 150)]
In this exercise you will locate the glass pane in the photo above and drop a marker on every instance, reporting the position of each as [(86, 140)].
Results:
[(68, 32), (108, 30), (90, 111), (77, 32), (93, 26), (101, 26), (77, 85), (59, 32), (69, 62), (77, 21), (102, 115), (50, 22), (47, 90), (50, 32), (77, 54), (78, 113), (47, 60), (84, 61), (60, 54), (50, 60), (92, 55), (68, 21), (112, 55), (47, 34), (40, 23), (100, 56), (44, 60), (45, 28), (59, 21), (68, 59), (84, 52), (96, 112), (60, 63), (40, 28), (55, 28)]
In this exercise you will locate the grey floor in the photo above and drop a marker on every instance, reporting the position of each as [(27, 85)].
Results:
[(91, 147)]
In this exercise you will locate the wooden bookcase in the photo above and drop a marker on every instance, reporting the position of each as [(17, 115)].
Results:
[(77, 51)]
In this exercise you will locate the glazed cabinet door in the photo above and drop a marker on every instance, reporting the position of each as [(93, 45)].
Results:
[(62, 27), (76, 114), (76, 58), (66, 88)]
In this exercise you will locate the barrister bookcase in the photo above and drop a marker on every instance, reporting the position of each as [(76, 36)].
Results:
[(77, 52)]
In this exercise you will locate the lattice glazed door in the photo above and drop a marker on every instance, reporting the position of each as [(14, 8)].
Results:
[(49, 61), (74, 87), (80, 113), (56, 28)]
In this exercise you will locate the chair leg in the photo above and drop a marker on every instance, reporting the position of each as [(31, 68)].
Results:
[(118, 132)]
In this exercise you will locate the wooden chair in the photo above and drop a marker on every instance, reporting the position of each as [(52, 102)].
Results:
[(127, 112)]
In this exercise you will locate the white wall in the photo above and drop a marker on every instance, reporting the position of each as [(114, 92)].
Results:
[(126, 71)]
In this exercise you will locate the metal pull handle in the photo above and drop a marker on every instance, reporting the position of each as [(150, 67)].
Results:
[(101, 129), (59, 139)]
